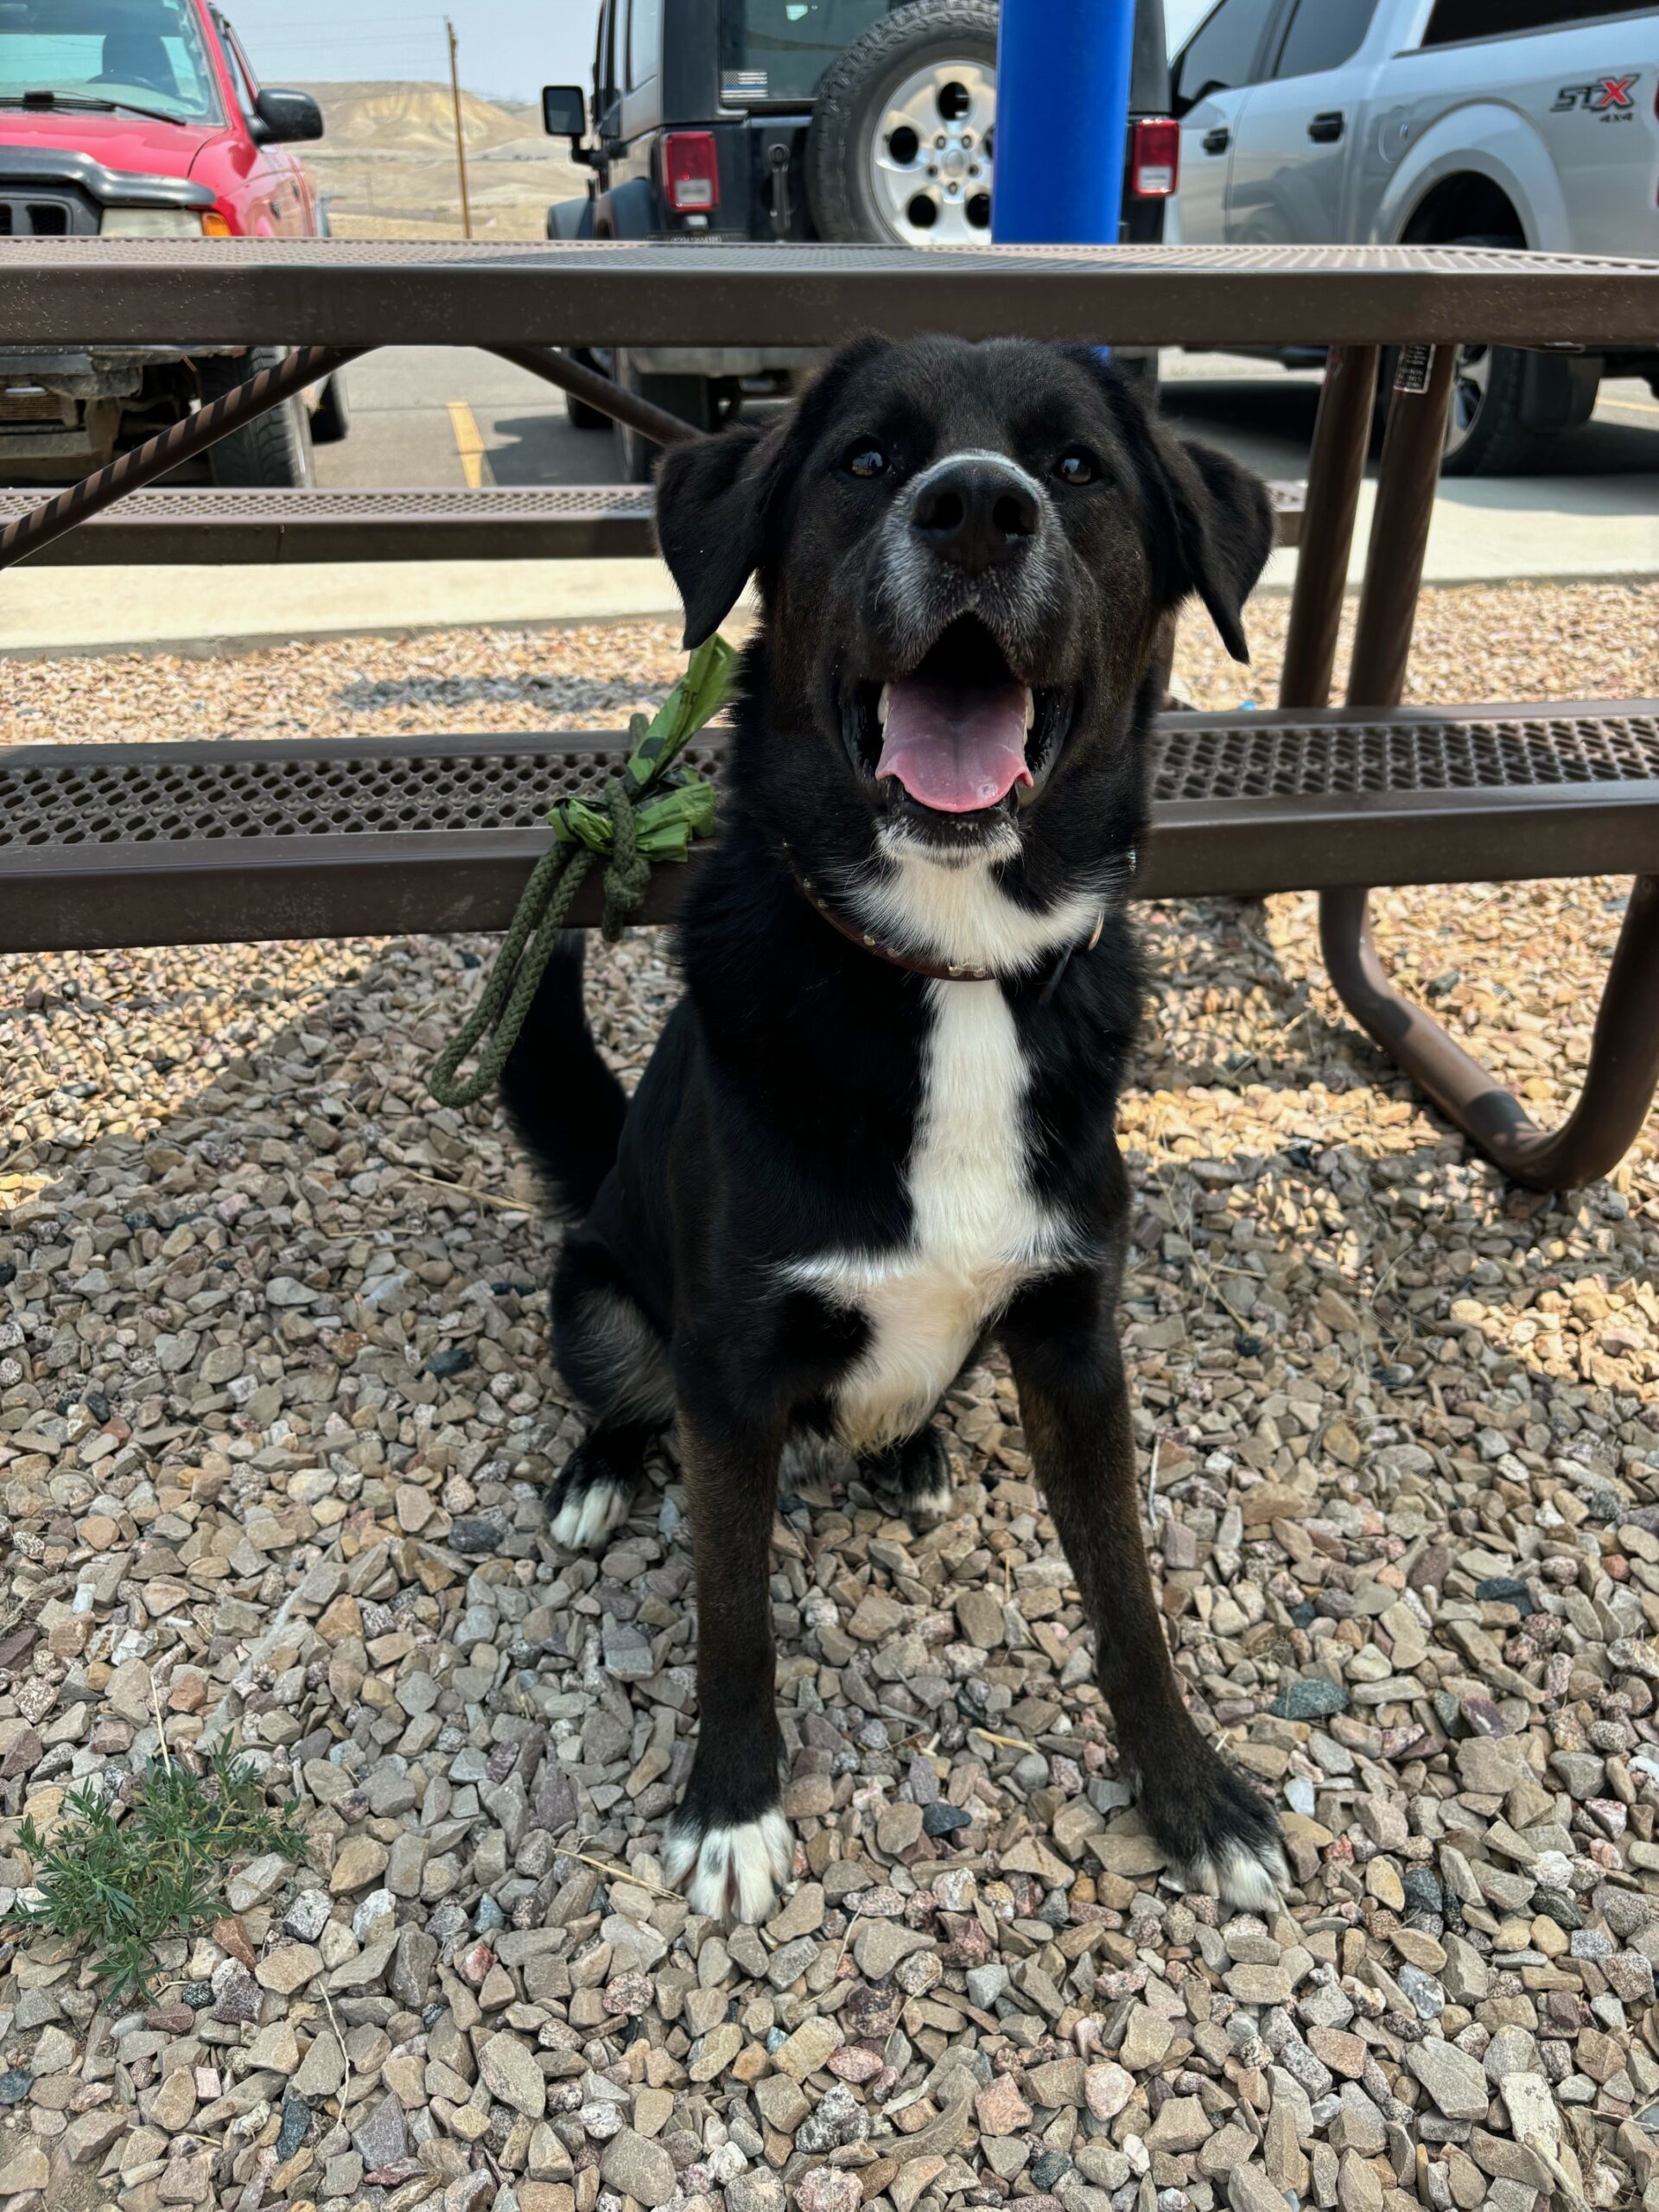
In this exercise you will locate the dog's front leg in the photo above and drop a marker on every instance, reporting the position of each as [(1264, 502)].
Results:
[(729, 1843), (1218, 1835)]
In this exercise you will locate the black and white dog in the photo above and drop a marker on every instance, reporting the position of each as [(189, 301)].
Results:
[(878, 1127)]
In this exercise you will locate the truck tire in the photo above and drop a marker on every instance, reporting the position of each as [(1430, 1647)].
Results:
[(1486, 432), (331, 418), (692, 398), (901, 149), (578, 413), (273, 452)]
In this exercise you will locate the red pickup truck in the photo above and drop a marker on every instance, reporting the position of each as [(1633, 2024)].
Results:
[(143, 119)]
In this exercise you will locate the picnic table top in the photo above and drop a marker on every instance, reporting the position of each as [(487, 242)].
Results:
[(339, 292)]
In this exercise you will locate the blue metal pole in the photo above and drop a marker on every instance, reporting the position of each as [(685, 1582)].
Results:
[(1062, 121)]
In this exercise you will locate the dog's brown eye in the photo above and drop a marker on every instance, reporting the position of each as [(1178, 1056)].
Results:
[(866, 460), (1075, 466)]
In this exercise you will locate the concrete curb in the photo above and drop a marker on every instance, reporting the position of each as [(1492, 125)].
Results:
[(56, 613)]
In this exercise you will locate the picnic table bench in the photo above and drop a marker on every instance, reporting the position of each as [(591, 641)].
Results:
[(104, 846), (595, 521), (556, 522)]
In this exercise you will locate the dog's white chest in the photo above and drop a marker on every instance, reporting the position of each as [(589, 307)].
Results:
[(979, 1231)]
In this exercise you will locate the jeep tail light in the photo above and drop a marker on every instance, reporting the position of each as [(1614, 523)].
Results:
[(691, 172), (1155, 158)]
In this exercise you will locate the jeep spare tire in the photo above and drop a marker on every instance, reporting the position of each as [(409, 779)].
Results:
[(900, 148)]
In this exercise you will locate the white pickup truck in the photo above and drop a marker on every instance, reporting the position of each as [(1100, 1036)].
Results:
[(1526, 122)]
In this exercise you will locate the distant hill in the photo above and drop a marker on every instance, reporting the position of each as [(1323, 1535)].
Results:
[(417, 118), (387, 162)]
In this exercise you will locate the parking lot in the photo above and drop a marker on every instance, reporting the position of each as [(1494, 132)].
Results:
[(432, 418), (428, 417)]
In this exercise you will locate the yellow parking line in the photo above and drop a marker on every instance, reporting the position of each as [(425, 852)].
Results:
[(474, 460), (1631, 406)]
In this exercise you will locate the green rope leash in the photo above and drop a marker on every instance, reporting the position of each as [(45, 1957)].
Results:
[(651, 812)]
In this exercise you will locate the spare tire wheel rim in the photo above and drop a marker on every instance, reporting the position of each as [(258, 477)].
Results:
[(930, 155)]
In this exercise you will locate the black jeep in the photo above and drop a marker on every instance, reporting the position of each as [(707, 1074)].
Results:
[(803, 120)]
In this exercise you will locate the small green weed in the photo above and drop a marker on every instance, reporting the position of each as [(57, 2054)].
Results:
[(121, 1884)]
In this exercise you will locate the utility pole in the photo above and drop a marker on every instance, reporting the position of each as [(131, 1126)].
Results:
[(460, 140)]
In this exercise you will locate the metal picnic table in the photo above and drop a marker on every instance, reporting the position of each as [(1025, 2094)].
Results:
[(338, 836)]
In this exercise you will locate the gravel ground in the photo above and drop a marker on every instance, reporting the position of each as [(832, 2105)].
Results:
[(274, 1403), (1473, 642)]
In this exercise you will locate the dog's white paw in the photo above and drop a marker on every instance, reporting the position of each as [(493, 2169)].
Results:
[(731, 1873), (1249, 1876), (913, 1479), (926, 1508), (586, 1513)]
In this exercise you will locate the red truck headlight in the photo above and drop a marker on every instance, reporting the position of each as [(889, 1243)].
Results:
[(163, 223)]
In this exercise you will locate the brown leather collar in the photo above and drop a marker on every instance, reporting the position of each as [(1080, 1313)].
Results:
[(915, 964)]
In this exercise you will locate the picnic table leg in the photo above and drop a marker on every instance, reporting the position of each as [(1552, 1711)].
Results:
[(1623, 1073), (1406, 480), (1620, 1083), (601, 392), (1336, 468)]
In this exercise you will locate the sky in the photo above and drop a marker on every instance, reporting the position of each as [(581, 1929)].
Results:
[(507, 47)]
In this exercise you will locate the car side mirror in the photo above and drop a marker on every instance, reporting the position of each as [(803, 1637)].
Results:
[(287, 118), (564, 112)]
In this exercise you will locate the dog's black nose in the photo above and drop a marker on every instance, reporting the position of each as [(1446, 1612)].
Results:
[(975, 510)]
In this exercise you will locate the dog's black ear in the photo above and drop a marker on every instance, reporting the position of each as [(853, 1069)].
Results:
[(1212, 518), (710, 501), (1223, 530), (712, 494)]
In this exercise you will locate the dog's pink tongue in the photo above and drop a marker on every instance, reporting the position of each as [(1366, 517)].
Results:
[(955, 749)]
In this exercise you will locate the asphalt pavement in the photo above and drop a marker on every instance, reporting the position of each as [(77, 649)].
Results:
[(430, 416)]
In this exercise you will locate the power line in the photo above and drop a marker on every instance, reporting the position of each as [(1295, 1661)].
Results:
[(363, 38), (348, 23), (424, 45), (354, 34), (367, 38)]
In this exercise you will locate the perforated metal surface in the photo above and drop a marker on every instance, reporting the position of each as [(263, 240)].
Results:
[(147, 794), (246, 791), (292, 508), (132, 796), (341, 292), (600, 521), (111, 256), (590, 522), (201, 843), (1274, 759)]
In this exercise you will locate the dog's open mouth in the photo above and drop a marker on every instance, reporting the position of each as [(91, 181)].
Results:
[(961, 734)]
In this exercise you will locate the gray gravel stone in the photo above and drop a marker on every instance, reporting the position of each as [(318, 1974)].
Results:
[(381, 2138), (510, 2072), (1454, 2079), (639, 2168), (1386, 1400)]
